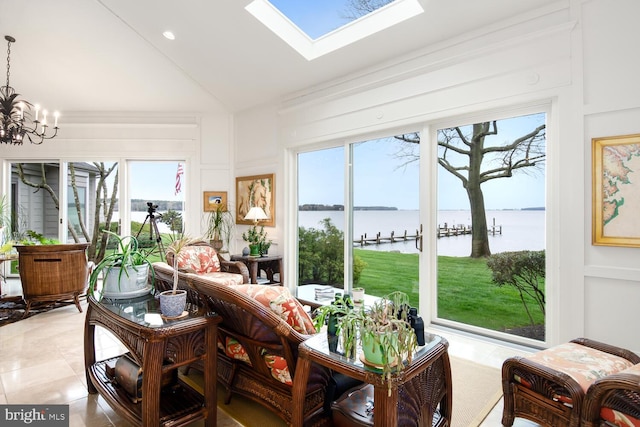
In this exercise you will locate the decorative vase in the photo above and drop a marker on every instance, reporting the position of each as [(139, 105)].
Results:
[(245, 251), (131, 283), (172, 304), (254, 250)]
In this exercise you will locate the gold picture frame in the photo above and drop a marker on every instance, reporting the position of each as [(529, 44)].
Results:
[(213, 199), (256, 190), (616, 190)]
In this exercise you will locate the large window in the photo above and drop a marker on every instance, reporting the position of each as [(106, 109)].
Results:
[(491, 207)]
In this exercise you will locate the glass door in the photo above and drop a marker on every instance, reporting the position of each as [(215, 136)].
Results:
[(385, 216)]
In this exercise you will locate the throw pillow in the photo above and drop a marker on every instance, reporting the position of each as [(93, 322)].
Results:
[(282, 303), (199, 259)]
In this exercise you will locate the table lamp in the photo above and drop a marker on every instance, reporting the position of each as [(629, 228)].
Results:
[(255, 214)]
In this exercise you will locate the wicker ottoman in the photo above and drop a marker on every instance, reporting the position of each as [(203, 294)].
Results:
[(548, 387)]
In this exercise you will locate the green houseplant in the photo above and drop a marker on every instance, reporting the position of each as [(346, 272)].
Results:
[(257, 239), (125, 271), (382, 330), (219, 227), (173, 301)]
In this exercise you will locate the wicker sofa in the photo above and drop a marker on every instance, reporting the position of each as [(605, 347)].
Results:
[(257, 347)]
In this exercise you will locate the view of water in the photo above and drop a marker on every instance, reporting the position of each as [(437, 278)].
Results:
[(521, 230)]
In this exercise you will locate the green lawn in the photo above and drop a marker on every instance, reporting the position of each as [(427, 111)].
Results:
[(465, 291)]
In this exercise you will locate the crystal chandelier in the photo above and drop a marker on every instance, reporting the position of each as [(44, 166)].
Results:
[(16, 121)]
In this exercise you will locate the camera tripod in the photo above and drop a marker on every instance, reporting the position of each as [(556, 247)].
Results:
[(153, 227)]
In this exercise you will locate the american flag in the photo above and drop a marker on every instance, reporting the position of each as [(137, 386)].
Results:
[(179, 174)]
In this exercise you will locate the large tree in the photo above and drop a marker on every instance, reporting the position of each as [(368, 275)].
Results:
[(474, 161), (105, 200)]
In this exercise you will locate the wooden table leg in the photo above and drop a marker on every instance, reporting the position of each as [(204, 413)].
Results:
[(151, 380), (303, 367), (210, 376), (385, 406)]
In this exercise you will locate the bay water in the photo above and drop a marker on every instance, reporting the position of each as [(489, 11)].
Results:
[(521, 229)]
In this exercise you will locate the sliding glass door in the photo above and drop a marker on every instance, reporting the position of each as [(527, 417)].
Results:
[(491, 225), (367, 193)]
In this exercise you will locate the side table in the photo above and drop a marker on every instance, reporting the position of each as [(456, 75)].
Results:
[(270, 264), (157, 347), (420, 394)]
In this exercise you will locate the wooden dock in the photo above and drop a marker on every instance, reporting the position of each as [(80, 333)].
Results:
[(442, 231), (379, 239)]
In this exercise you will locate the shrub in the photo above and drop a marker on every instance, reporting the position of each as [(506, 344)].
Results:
[(321, 256), (523, 270)]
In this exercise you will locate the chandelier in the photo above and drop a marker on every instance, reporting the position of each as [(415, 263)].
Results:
[(16, 120)]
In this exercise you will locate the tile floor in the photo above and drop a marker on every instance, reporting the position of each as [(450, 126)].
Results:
[(43, 362)]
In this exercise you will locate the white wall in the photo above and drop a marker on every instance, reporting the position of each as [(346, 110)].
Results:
[(552, 59)]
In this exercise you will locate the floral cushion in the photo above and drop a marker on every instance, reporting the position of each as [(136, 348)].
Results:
[(235, 350), (583, 364), (281, 302), (224, 278), (198, 259), (617, 418), (278, 367)]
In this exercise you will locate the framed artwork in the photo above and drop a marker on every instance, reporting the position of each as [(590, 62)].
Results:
[(256, 190), (213, 199), (616, 190)]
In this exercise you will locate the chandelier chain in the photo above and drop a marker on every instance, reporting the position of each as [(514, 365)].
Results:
[(8, 61)]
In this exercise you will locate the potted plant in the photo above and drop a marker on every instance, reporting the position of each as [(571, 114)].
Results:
[(125, 271), (219, 227), (256, 239), (173, 301), (383, 331)]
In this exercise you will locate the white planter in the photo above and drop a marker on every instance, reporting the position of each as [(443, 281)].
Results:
[(133, 282)]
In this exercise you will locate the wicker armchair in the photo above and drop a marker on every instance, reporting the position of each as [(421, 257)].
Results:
[(614, 400), (543, 387), (227, 268)]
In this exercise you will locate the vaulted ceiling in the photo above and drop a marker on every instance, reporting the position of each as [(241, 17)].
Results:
[(110, 55)]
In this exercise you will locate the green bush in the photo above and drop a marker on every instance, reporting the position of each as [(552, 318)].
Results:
[(321, 256), (524, 271)]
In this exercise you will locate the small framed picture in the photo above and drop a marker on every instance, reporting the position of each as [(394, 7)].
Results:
[(213, 200)]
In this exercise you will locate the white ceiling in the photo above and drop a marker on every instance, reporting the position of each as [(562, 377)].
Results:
[(110, 55)]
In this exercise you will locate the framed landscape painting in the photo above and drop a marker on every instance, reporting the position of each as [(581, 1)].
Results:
[(214, 199), (256, 190), (616, 190)]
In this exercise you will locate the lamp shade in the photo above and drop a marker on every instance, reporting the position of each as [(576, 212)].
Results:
[(255, 214)]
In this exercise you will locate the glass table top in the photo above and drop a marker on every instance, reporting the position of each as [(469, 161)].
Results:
[(145, 310), (332, 348)]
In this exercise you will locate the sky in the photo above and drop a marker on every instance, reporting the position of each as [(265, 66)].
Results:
[(381, 180), (314, 17), (155, 181)]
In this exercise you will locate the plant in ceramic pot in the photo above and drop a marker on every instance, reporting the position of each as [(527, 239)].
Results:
[(173, 301), (255, 238), (219, 227), (124, 272), (383, 331)]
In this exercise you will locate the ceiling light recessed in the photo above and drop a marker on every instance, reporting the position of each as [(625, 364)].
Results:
[(169, 35)]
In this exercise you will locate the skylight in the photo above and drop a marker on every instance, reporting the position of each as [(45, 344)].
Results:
[(326, 31)]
